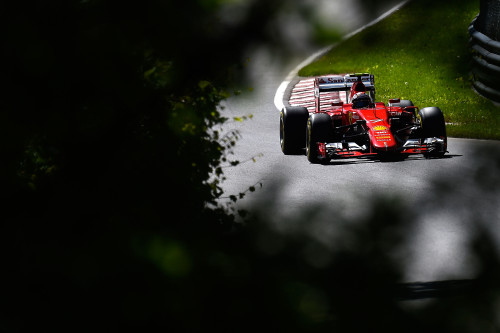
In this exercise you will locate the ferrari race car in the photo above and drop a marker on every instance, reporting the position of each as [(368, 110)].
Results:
[(357, 126)]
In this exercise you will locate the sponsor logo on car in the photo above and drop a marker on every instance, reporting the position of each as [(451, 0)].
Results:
[(383, 138), (380, 128)]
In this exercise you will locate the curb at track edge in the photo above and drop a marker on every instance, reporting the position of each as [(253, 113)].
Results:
[(285, 87)]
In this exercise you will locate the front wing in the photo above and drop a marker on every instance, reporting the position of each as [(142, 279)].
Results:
[(426, 146)]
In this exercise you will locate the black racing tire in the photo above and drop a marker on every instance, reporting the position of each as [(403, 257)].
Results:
[(403, 136), (433, 125), (403, 103), (293, 123), (319, 129)]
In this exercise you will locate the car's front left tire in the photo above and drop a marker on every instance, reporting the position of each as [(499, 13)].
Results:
[(433, 126)]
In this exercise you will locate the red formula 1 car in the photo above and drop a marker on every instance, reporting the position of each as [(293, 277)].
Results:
[(359, 127)]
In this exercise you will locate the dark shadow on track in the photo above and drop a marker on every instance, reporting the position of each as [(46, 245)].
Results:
[(384, 159), (435, 289)]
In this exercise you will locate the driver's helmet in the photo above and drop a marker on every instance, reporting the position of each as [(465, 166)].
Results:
[(361, 100)]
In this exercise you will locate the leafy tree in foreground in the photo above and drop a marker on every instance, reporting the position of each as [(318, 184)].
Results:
[(108, 160)]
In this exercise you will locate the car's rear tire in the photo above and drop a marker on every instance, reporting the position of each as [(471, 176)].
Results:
[(319, 129), (433, 126), (293, 122), (403, 103), (398, 124)]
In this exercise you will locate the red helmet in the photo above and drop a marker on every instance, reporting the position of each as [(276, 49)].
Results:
[(361, 100)]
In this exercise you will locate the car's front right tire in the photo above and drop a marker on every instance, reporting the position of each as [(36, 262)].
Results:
[(319, 129)]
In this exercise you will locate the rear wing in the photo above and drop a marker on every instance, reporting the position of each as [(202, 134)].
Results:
[(345, 82), (329, 83)]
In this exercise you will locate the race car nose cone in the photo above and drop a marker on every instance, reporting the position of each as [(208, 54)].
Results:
[(382, 138), (384, 144)]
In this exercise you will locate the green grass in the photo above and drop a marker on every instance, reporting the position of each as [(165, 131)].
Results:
[(421, 53)]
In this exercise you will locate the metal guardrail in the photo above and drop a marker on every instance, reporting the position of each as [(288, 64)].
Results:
[(485, 64)]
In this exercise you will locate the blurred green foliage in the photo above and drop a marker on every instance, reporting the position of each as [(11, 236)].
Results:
[(109, 161)]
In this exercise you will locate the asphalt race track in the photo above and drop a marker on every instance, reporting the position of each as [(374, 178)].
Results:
[(287, 184)]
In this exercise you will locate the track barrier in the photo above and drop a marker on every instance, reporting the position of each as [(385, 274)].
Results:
[(485, 63)]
